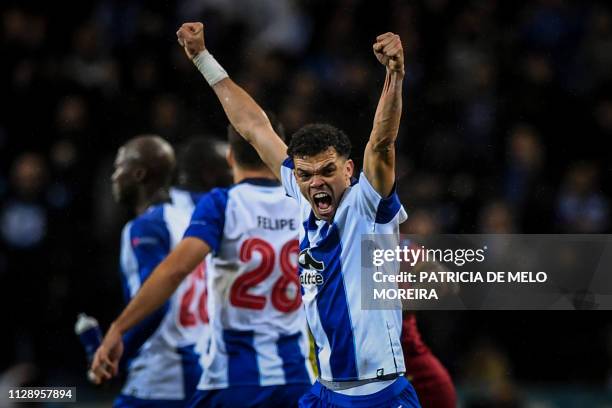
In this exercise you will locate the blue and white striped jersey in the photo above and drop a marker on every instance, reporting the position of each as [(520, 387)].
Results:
[(258, 325), (159, 352), (351, 343)]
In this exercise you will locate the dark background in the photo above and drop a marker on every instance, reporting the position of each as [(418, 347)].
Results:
[(507, 111)]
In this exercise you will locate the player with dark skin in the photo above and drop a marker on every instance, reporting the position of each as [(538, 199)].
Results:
[(142, 176), (166, 277), (143, 173)]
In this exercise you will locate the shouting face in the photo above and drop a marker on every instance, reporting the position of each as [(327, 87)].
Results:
[(322, 179)]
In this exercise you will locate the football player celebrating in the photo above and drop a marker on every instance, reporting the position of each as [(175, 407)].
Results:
[(257, 351), (162, 367), (358, 351)]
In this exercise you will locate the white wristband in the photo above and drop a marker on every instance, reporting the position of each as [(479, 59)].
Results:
[(212, 71)]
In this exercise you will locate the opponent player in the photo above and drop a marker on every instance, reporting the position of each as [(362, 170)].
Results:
[(429, 377), (359, 352), (257, 353), (163, 369)]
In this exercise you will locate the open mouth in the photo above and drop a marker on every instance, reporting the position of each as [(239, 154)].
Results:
[(323, 202)]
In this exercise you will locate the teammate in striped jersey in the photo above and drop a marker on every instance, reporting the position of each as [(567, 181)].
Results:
[(358, 351), (256, 354), (162, 365)]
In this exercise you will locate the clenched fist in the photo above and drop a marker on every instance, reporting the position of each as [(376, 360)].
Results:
[(389, 52), (191, 37)]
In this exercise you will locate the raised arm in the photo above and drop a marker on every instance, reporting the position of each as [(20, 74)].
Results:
[(245, 115), (379, 156), (155, 291)]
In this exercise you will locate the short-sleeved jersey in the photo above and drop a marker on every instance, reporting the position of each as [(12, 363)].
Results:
[(159, 352), (257, 320), (351, 343)]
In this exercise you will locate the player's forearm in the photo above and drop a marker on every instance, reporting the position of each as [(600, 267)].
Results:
[(155, 291), (245, 115), (388, 115)]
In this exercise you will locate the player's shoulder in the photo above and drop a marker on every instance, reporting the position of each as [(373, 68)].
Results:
[(153, 214), (149, 223), (372, 204), (351, 193), (288, 163), (185, 199), (258, 186), (217, 197)]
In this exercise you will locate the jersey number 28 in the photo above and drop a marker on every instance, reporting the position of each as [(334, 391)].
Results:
[(283, 298)]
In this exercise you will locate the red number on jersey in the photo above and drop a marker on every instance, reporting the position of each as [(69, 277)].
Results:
[(281, 298), (186, 317), (286, 292), (239, 295)]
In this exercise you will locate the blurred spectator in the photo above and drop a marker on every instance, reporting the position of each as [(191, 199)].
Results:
[(420, 222), (497, 218), (88, 65), (488, 378), (582, 208), (23, 218), (525, 188), (24, 231), (597, 47)]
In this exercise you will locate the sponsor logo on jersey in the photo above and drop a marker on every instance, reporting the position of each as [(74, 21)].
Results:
[(311, 269)]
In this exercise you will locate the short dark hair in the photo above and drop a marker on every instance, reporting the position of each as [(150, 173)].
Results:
[(245, 155), (200, 167), (315, 138)]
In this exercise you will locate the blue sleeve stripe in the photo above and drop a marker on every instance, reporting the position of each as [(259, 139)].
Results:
[(288, 162), (150, 241), (204, 233), (388, 208), (208, 219)]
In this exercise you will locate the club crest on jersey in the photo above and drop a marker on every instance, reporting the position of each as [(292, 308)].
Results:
[(311, 269)]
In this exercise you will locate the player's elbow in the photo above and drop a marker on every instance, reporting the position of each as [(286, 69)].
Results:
[(252, 125), (382, 144)]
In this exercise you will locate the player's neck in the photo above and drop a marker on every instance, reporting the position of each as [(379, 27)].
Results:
[(241, 174), (147, 199)]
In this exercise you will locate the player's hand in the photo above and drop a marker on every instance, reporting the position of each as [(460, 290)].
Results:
[(105, 364), (191, 37), (389, 52)]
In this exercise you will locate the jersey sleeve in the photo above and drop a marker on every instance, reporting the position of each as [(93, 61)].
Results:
[(149, 244), (376, 208), (208, 219), (288, 180)]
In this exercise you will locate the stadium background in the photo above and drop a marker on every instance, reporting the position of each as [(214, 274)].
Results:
[(507, 109)]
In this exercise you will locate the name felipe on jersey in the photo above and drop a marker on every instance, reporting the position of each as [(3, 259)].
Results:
[(276, 224)]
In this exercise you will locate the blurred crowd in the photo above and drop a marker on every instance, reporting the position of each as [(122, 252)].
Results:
[(507, 108)]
